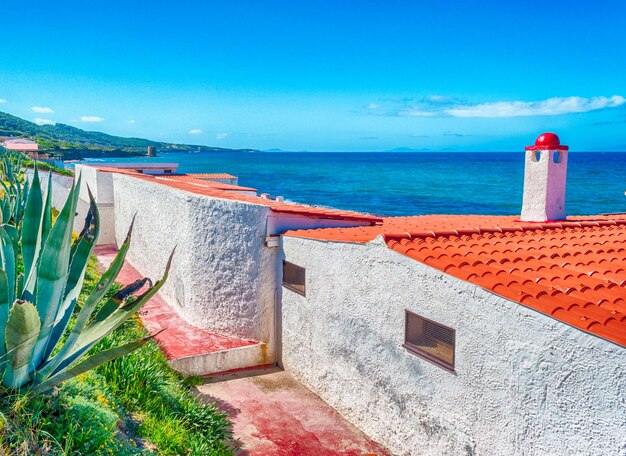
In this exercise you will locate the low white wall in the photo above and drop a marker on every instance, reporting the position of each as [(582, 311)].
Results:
[(223, 277), (525, 384), (61, 186), (101, 186)]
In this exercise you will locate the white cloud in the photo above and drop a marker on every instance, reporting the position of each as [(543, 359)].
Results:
[(373, 106), (443, 106), (42, 110), (131, 121), (3, 100), (91, 119), (221, 136), (550, 107), (195, 131), (438, 98), (40, 121), (416, 112)]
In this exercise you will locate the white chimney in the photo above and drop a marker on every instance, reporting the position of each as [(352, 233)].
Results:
[(545, 176)]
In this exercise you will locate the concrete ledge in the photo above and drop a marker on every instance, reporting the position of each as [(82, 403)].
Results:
[(224, 360)]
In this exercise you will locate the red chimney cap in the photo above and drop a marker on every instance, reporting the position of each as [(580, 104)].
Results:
[(547, 141)]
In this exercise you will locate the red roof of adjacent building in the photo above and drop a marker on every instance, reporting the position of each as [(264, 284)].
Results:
[(200, 182), (230, 192), (573, 271), (203, 175)]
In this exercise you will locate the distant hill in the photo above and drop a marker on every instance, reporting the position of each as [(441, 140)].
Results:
[(72, 142)]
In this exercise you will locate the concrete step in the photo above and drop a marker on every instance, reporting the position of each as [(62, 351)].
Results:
[(189, 350)]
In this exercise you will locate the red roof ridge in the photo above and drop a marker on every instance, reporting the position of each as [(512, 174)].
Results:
[(203, 175), (523, 227)]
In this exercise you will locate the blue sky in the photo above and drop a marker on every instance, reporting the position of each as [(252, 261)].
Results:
[(322, 75)]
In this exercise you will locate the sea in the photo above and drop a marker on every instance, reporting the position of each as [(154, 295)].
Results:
[(387, 184)]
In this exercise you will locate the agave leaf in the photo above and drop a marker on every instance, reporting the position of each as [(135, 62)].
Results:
[(5, 188), (90, 363), (101, 289), (14, 235), (52, 273), (21, 335), (92, 220), (31, 226), (46, 223), (78, 267), (4, 209), (20, 284), (99, 327), (5, 306), (23, 198), (7, 261), (120, 297), (8, 170)]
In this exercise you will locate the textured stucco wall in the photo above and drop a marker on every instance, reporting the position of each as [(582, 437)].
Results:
[(525, 384), (544, 186), (223, 276)]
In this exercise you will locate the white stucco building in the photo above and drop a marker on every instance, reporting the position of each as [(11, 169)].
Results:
[(472, 335)]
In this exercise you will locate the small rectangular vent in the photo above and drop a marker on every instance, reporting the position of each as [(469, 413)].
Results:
[(294, 278), (429, 340)]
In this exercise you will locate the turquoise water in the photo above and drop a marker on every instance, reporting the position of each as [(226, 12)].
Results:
[(413, 183)]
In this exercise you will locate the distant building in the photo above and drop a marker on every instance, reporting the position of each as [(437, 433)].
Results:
[(24, 145), (152, 151)]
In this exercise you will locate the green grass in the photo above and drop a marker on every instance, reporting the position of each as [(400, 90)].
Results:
[(135, 405)]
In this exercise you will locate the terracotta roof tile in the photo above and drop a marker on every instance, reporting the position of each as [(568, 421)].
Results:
[(203, 175), (573, 270)]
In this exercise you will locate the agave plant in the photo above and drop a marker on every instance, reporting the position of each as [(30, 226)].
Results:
[(44, 335), (14, 189)]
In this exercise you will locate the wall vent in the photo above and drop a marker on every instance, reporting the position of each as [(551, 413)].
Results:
[(294, 278), (429, 340)]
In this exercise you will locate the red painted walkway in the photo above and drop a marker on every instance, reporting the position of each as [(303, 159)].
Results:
[(274, 415), (180, 339)]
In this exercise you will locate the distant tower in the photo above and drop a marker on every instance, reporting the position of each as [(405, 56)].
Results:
[(152, 151), (545, 175)]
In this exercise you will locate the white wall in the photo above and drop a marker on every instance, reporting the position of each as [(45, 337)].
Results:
[(61, 186), (525, 384), (223, 277), (101, 186)]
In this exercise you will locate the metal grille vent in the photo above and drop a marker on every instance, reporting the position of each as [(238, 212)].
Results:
[(294, 278), (429, 340)]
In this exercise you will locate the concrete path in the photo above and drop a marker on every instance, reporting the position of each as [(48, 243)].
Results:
[(274, 415)]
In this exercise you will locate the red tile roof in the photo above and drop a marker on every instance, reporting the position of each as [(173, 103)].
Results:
[(203, 175), (227, 191), (573, 271), (201, 183)]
